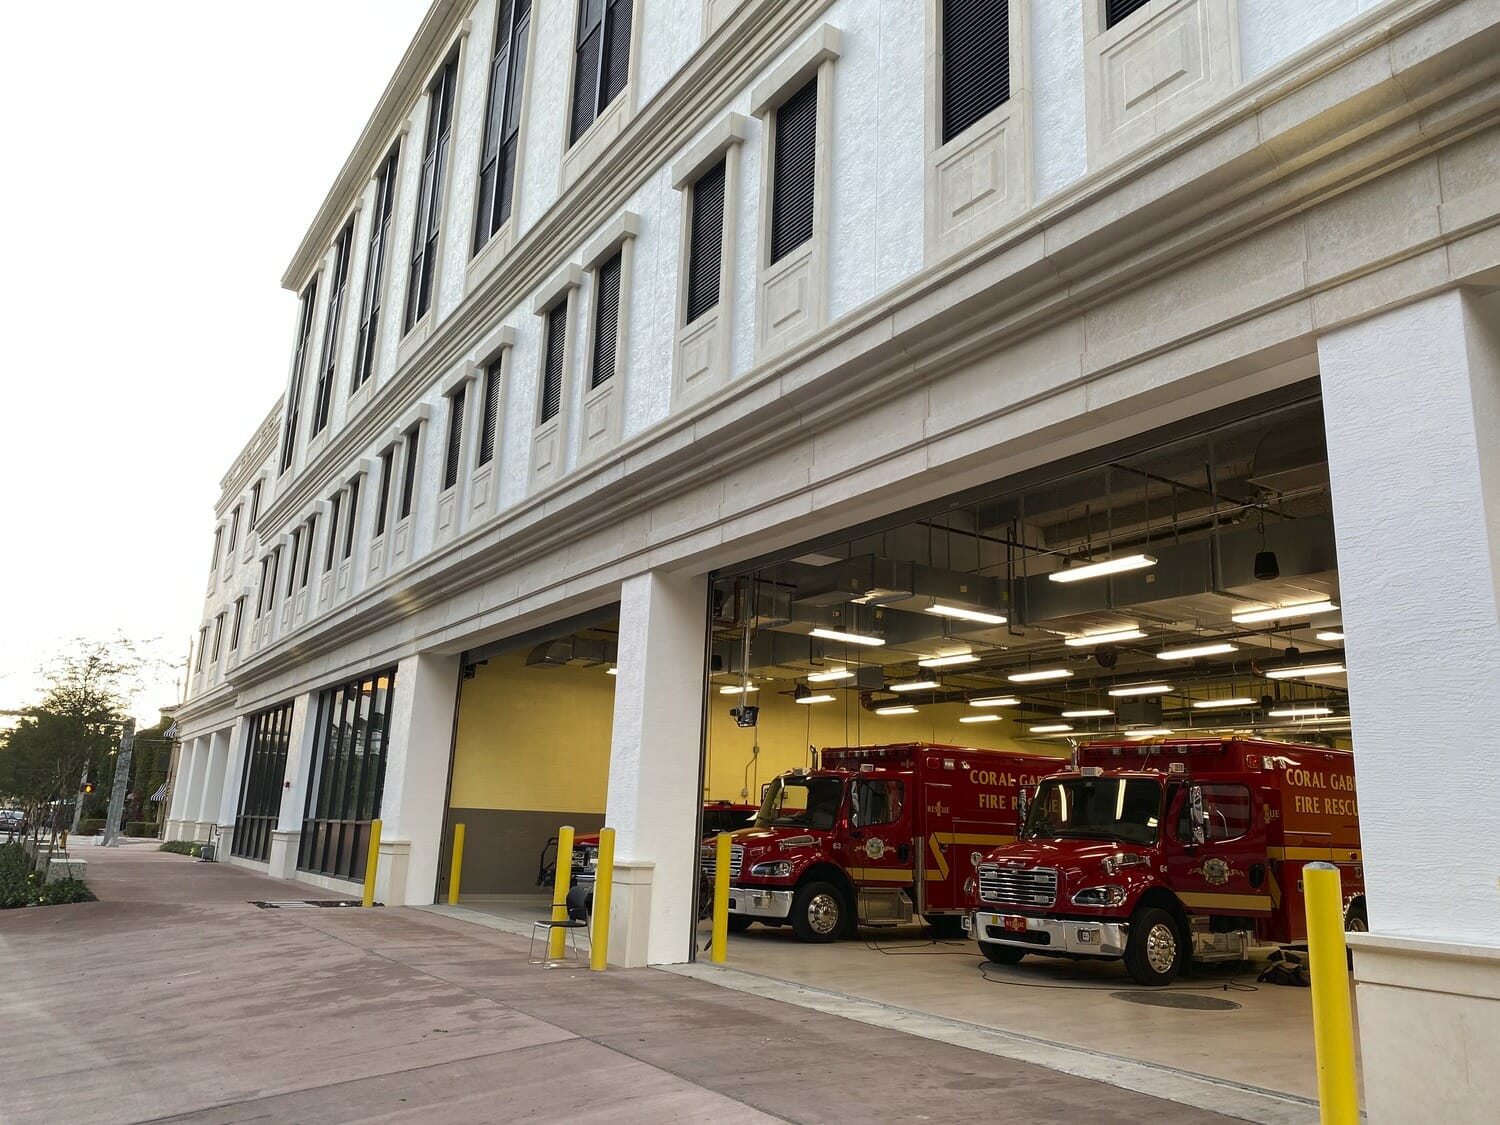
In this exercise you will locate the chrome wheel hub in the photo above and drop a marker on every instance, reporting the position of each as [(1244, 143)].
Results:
[(1161, 948), (823, 914)]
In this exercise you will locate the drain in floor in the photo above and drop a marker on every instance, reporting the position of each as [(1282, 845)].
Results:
[(302, 904), (1178, 1000)]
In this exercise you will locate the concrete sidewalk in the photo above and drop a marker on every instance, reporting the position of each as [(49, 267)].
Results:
[(173, 998)]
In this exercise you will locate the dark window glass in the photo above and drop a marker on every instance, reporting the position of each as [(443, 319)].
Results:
[(202, 647), (234, 529), (254, 506), (705, 243), (606, 321), (386, 461), (260, 593), (497, 167), (239, 621), (218, 637), (324, 396), (976, 61), (430, 193), (370, 302), (1117, 10), (307, 549), (552, 368), (335, 506), (455, 437), (291, 562), (261, 782), (794, 179), (601, 61), (299, 363), (491, 413), (351, 517), (409, 473), (218, 547)]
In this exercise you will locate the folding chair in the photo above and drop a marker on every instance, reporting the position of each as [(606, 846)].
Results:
[(578, 919)]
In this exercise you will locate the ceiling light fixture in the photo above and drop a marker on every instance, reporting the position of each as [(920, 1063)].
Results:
[(1041, 674), (830, 676), (815, 699), (1277, 612), (611, 671), (948, 661), (942, 609), (850, 638), (1302, 670), (1331, 635), (913, 685), (995, 701), (1091, 713), (895, 710), (1196, 651), (1212, 704), (1151, 732), (737, 689), (1100, 569), (1299, 712), (1089, 639), (1141, 689), (1050, 728), (980, 719)]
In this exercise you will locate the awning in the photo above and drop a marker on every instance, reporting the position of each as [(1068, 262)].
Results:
[(160, 794)]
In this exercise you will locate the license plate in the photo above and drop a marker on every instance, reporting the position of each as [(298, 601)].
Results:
[(1014, 923), (968, 923)]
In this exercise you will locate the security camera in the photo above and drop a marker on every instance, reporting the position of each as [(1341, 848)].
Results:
[(745, 716)]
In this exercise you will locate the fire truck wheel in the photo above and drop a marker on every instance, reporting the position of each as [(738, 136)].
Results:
[(1001, 954), (1153, 952), (1357, 918), (817, 912), (739, 923)]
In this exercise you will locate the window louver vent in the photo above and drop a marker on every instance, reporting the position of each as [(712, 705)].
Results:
[(1117, 10), (795, 178), (606, 321), (706, 245), (976, 61), (557, 331)]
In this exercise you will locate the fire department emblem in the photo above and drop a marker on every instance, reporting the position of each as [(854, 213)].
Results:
[(1218, 872), (874, 847)]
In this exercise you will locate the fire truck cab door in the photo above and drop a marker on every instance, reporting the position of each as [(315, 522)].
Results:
[(1229, 873), (880, 844)]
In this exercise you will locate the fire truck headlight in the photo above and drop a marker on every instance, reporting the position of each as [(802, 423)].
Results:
[(1108, 895), (780, 869)]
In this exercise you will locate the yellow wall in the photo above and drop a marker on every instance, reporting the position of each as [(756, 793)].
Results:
[(533, 738)]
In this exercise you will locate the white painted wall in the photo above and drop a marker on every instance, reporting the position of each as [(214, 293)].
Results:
[(1059, 141), (1272, 30)]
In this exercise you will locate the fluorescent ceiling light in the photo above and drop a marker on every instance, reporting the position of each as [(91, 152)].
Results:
[(1092, 713), (1305, 670), (914, 685), (962, 614), (949, 661), (1100, 569), (1331, 635), (851, 638), (815, 699), (1050, 728), (1141, 689), (1043, 674), (611, 671), (1277, 612), (736, 689), (980, 719), (1105, 638), (1298, 712), (895, 710), (1236, 701), (995, 701), (1153, 732), (1196, 651), (829, 676)]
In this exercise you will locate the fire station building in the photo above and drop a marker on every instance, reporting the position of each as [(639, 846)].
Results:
[(662, 358)]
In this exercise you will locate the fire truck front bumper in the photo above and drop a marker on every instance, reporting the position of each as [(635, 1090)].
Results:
[(1051, 935), (755, 902)]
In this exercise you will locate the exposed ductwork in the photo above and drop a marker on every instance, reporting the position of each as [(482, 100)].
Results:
[(580, 652)]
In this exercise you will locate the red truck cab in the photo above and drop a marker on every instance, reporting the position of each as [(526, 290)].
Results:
[(876, 836), (1164, 852)]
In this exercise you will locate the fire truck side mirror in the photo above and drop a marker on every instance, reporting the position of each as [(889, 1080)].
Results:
[(1023, 806), (1196, 814)]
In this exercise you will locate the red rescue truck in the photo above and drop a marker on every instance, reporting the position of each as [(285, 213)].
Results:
[(875, 836), (1160, 852)]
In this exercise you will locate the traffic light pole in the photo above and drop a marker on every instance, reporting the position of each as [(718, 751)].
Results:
[(83, 783), (122, 779)]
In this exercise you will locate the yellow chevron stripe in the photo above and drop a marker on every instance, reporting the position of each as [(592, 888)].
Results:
[(937, 854)]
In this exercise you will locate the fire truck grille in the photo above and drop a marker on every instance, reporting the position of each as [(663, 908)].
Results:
[(1017, 886), (736, 857)]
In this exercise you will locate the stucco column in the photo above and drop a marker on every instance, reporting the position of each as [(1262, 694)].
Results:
[(213, 780), (288, 830), (1412, 409), (413, 800), (190, 793), (653, 767), (229, 796)]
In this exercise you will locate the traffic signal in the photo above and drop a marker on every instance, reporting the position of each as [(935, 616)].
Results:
[(88, 786)]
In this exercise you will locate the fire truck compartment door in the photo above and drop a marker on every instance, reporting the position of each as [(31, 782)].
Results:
[(880, 832), (1229, 873)]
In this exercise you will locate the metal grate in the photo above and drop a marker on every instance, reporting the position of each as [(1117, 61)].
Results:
[(706, 243), (794, 182), (1017, 886), (557, 335), (1117, 10), (708, 859), (976, 61), (606, 321)]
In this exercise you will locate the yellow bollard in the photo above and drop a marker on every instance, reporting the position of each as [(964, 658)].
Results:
[(1333, 1025), (556, 940), (721, 899), (455, 869), (604, 878), (372, 861)]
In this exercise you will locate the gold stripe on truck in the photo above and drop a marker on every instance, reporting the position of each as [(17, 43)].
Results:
[(1208, 901), (1309, 855)]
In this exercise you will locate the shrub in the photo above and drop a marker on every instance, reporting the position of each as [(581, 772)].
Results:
[(182, 847), (21, 886), (61, 892), (141, 828), (90, 826)]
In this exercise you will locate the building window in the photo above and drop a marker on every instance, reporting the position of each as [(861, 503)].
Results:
[(213, 563), (308, 535), (218, 637), (299, 363), (324, 396), (239, 621), (1117, 10), (606, 320), (334, 507), (552, 364), (261, 783), (202, 647), (265, 580), (454, 449), (234, 530), (387, 460), (351, 518), (370, 301), (976, 61), (409, 472), (291, 560), (601, 62), (491, 415), (348, 775), (430, 193), (794, 178), (705, 243), (254, 507), (502, 128)]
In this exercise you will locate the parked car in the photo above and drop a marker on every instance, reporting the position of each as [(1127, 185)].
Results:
[(13, 822)]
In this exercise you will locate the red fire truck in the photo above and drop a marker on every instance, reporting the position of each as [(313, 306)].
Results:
[(875, 836), (1166, 851)]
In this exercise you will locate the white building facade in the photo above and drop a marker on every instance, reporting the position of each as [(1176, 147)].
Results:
[(613, 294)]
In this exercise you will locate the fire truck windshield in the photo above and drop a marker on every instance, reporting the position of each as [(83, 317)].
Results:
[(1127, 810), (804, 802)]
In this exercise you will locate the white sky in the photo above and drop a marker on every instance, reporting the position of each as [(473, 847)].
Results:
[(162, 160)]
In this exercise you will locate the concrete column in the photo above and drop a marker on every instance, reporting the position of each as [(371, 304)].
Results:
[(191, 792), (288, 831), (653, 767), (234, 769), (1412, 409), (213, 781), (414, 799)]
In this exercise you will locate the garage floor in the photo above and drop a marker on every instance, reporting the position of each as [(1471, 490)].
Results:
[(1220, 1023)]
